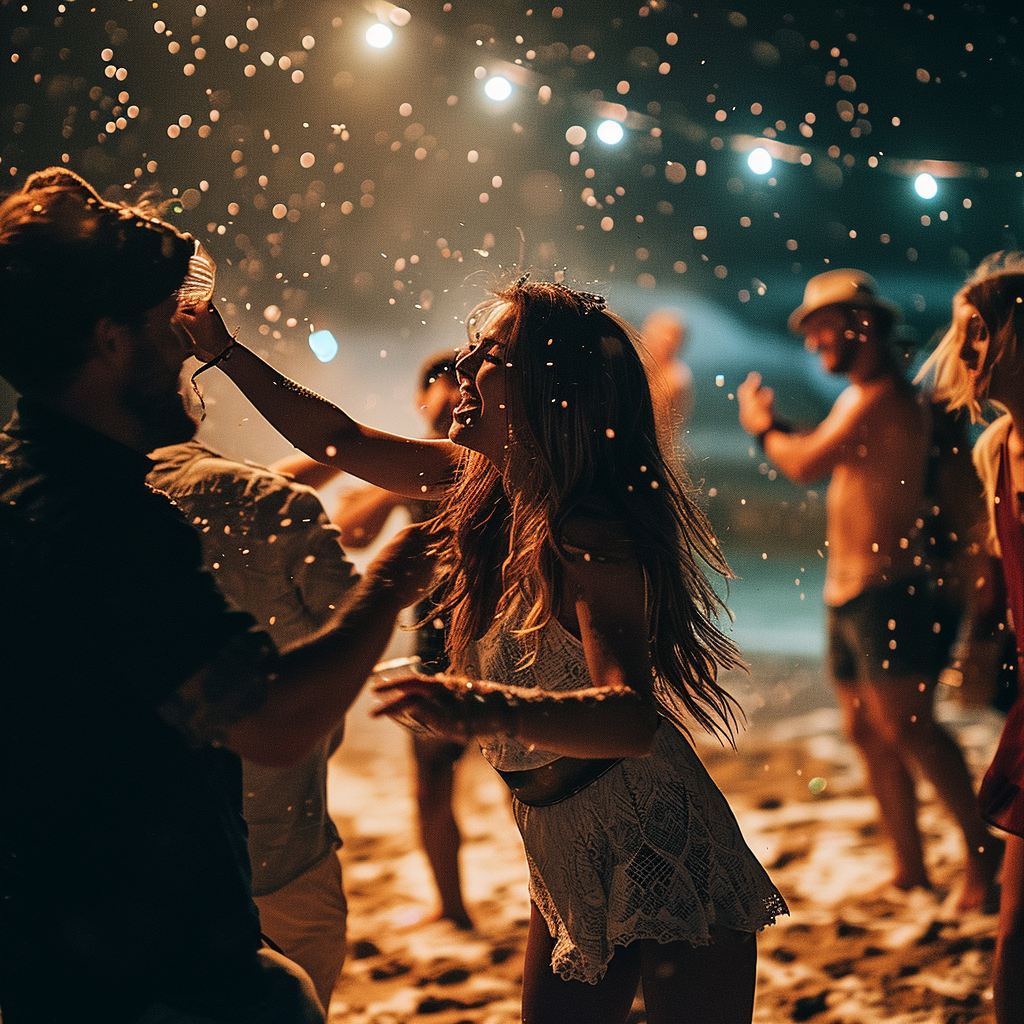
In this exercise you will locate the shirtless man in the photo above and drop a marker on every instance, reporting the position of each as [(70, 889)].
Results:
[(881, 645)]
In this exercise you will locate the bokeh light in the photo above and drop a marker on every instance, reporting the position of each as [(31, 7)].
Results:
[(323, 345), (610, 132), (325, 170), (759, 160), (926, 186), (498, 88), (379, 36)]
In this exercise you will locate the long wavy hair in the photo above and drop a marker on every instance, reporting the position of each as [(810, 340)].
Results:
[(583, 447), (996, 290)]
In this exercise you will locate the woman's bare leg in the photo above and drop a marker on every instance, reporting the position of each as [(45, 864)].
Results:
[(711, 984), (1008, 968), (548, 999)]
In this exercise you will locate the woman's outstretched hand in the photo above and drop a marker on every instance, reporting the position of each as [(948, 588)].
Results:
[(207, 329), (450, 706), (422, 704)]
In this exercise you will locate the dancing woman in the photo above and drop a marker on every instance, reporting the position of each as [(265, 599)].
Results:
[(583, 634), (978, 365)]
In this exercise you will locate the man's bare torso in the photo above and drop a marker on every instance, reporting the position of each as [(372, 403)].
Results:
[(875, 496)]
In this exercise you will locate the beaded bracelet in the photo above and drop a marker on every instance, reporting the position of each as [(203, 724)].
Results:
[(221, 357)]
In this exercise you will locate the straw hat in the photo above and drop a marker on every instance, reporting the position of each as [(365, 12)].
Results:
[(852, 288)]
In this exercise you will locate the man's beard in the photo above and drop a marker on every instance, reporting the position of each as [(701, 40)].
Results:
[(152, 395), (845, 356)]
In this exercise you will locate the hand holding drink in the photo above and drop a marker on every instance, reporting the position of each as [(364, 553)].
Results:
[(454, 707)]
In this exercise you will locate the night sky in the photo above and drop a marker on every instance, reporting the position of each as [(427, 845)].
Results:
[(376, 192)]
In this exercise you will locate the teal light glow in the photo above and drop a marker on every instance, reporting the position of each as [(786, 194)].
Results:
[(323, 345)]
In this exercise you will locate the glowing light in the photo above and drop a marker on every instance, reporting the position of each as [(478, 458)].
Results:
[(379, 36), (323, 345), (610, 132), (498, 88), (926, 186), (759, 160)]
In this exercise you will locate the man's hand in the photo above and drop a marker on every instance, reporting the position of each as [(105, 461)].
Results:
[(407, 562), (206, 327), (757, 410)]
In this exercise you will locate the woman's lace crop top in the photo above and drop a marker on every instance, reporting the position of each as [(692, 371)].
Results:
[(560, 666)]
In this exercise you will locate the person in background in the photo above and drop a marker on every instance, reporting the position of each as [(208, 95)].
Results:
[(360, 514), (979, 365), (665, 335), (131, 689), (881, 650), (975, 642), (273, 552), (583, 630)]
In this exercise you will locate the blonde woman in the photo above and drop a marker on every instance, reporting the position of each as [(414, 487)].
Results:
[(978, 365), (583, 637)]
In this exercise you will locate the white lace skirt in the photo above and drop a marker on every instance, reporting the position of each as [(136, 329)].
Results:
[(649, 851)]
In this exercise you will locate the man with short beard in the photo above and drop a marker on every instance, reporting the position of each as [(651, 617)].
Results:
[(881, 647), (130, 689)]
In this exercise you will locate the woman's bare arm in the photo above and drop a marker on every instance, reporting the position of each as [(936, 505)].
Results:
[(304, 470), (617, 717), (414, 467)]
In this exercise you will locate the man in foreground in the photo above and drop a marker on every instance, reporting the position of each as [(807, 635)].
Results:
[(130, 688)]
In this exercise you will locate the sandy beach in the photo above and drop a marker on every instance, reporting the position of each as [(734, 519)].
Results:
[(853, 951)]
